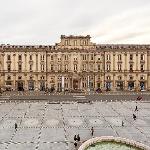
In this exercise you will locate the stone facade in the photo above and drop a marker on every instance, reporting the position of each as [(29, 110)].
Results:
[(75, 64)]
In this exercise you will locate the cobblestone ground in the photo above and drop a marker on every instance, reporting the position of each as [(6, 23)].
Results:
[(44, 125)]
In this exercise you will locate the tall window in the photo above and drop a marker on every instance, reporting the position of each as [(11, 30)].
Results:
[(75, 42), (142, 67), (84, 67), (30, 67), (66, 57), (108, 57), (66, 42), (8, 57), (52, 67), (131, 56), (30, 57), (142, 56), (98, 67), (75, 67), (42, 67), (108, 67), (52, 57), (84, 57), (92, 57), (8, 67), (42, 57), (19, 67), (20, 57), (131, 67), (59, 67), (66, 67), (119, 57), (119, 67)]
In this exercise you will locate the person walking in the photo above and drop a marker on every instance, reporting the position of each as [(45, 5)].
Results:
[(75, 137), (136, 109), (78, 138), (92, 131), (16, 126), (134, 116)]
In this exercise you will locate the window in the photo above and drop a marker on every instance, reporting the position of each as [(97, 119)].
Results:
[(75, 42), (8, 57), (84, 67), (131, 56), (52, 57), (108, 67), (119, 67), (8, 67), (42, 57), (59, 67), (30, 57), (98, 67), (108, 57), (119, 57), (20, 57), (52, 67), (42, 67), (92, 57), (66, 57), (84, 42), (66, 42), (131, 67), (75, 67), (108, 77), (84, 57), (66, 67), (142, 56), (30, 67), (19, 67), (99, 58), (142, 67), (91, 67)]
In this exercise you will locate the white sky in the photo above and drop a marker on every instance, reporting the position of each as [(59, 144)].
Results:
[(43, 21)]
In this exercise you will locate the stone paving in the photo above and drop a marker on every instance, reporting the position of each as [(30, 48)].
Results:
[(44, 125)]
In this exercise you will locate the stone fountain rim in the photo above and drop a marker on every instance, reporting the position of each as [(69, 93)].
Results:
[(113, 139)]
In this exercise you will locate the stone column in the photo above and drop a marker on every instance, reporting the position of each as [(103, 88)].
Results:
[(136, 61)]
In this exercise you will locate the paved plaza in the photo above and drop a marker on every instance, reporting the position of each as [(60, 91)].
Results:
[(46, 125)]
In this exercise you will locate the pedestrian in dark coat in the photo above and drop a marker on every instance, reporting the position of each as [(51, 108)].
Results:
[(78, 137)]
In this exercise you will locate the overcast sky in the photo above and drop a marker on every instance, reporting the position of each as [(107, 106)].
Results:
[(43, 21)]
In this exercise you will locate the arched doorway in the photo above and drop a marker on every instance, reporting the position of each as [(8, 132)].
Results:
[(20, 86), (75, 84)]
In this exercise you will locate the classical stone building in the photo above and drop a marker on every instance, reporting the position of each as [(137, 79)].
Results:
[(75, 63)]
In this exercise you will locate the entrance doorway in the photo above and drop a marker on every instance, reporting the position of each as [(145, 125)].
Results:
[(20, 86), (31, 85), (75, 84), (131, 85), (42, 86), (142, 86), (120, 85)]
